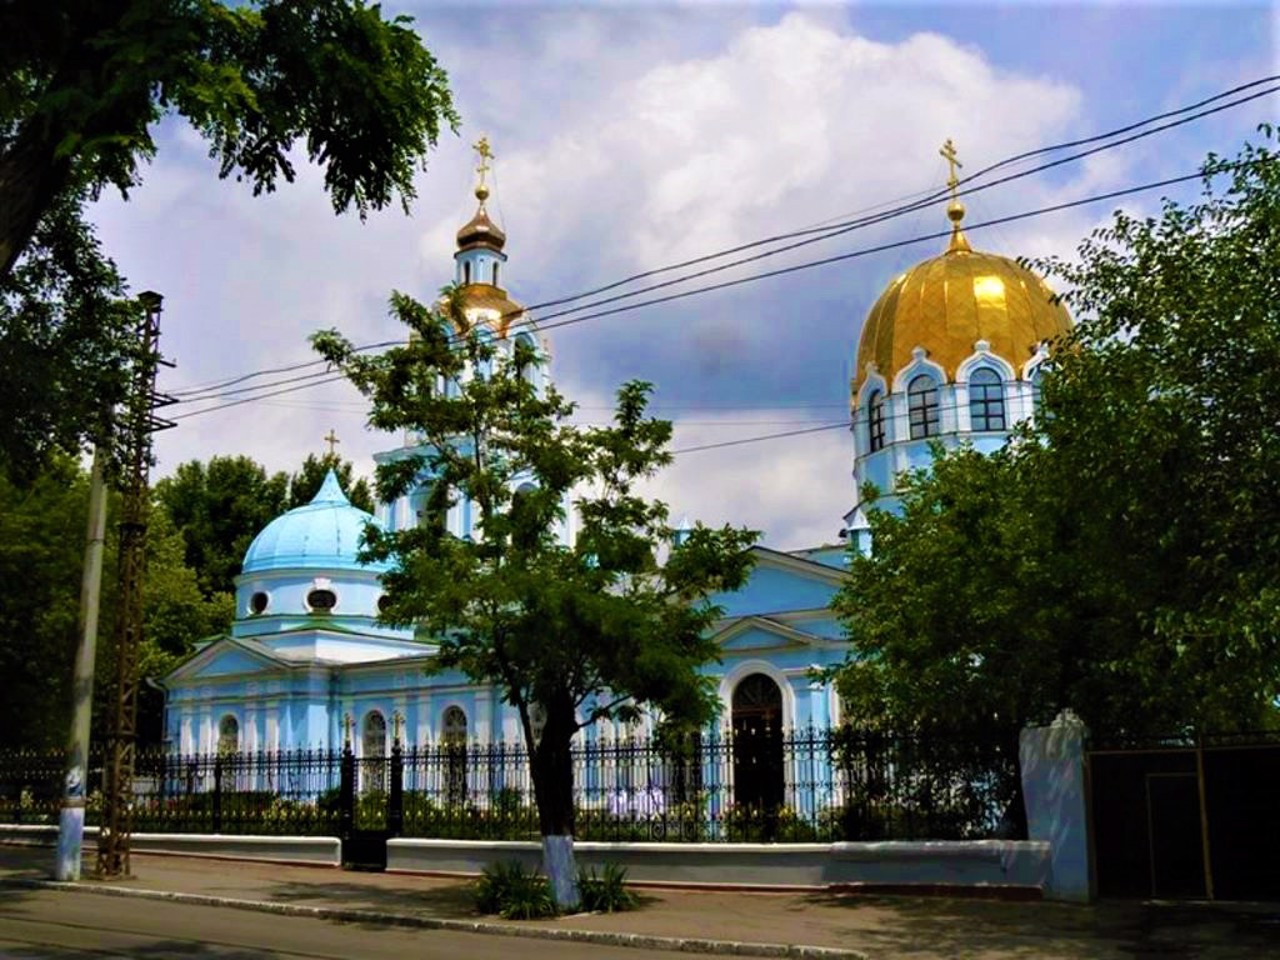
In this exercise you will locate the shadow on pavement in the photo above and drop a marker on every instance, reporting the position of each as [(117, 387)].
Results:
[(456, 901), (961, 928)]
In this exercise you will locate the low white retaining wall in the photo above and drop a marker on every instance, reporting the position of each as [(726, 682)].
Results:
[(309, 851), (936, 864), (1007, 865)]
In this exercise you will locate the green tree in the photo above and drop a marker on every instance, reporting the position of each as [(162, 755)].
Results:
[(67, 338), (304, 484), (582, 631), (42, 530), (219, 508), (82, 82), (176, 614), (42, 542), (1122, 558)]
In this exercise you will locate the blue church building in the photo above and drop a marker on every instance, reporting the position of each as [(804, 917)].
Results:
[(950, 352)]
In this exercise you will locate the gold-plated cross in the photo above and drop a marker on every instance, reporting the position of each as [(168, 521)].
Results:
[(948, 151), (332, 440), (481, 147)]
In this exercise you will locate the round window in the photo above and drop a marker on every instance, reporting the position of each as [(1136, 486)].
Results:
[(322, 600), (258, 602), (384, 603)]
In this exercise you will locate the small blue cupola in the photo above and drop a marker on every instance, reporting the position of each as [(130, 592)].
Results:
[(305, 568)]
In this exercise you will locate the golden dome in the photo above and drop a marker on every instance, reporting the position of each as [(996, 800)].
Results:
[(949, 303), (480, 231)]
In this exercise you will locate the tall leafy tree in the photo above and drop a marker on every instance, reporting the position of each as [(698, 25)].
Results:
[(219, 507), (67, 338), (304, 484), (1122, 558), (581, 631), (42, 531), (83, 82)]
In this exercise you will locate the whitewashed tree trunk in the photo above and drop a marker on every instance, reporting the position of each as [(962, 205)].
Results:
[(562, 871)]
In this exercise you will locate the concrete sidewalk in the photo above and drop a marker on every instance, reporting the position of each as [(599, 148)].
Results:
[(876, 927)]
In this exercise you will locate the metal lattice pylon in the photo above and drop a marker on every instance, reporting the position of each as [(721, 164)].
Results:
[(139, 424)]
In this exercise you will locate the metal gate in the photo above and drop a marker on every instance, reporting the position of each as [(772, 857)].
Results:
[(372, 805), (1180, 820)]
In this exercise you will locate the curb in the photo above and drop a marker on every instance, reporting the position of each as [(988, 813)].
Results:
[(351, 915)]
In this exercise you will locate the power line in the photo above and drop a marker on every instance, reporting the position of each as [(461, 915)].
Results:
[(824, 232), (930, 197), (862, 223), (327, 377), (757, 439), (189, 394), (881, 248)]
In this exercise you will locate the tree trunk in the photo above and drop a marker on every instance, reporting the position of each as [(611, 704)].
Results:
[(552, 770), (30, 178)]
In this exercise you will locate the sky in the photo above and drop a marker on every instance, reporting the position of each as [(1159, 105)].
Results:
[(632, 136)]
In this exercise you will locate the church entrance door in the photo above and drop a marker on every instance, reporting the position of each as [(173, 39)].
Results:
[(758, 768)]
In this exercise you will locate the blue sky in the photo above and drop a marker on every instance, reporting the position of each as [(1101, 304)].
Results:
[(630, 136)]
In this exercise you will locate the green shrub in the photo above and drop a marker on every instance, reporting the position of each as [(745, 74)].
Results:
[(514, 892), (607, 893)]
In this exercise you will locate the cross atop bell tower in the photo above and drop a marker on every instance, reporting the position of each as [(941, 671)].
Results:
[(955, 209)]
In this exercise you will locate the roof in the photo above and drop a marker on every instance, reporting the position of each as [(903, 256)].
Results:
[(948, 303), (323, 534)]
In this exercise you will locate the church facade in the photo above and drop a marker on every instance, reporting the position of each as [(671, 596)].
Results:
[(949, 353)]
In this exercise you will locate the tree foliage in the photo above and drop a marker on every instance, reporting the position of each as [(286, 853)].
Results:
[(1122, 558), (82, 83), (577, 631), (67, 342), (42, 530), (218, 508), (42, 542)]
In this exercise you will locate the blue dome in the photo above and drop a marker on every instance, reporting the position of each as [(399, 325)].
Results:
[(323, 534)]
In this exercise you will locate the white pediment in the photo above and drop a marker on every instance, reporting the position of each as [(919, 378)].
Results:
[(759, 634), (226, 657), (781, 582)]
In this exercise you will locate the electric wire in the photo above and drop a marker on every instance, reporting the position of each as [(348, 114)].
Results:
[(189, 394), (930, 197), (842, 229), (327, 377)]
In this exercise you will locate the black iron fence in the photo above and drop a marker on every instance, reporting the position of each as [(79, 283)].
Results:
[(796, 786)]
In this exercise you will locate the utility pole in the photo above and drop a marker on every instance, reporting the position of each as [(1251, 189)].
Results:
[(140, 423), (71, 821)]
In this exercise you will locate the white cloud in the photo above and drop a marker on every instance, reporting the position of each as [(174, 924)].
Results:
[(789, 124), (626, 139)]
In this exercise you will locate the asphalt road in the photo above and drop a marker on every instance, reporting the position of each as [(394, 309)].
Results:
[(54, 924)]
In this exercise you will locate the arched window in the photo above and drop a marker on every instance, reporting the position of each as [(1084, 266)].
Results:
[(922, 407), (986, 400), (454, 743), (1037, 386), (373, 753), (228, 734), (875, 421), (495, 273), (526, 350), (466, 272), (484, 358)]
